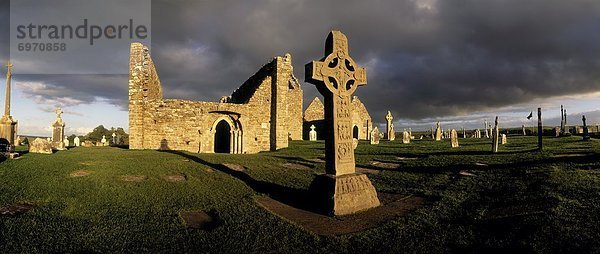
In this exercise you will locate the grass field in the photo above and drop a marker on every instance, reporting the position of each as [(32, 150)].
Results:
[(518, 200)]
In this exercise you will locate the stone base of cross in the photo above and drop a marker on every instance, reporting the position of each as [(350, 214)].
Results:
[(341, 190)]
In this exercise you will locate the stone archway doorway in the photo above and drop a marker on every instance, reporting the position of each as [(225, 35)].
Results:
[(355, 132), (223, 137)]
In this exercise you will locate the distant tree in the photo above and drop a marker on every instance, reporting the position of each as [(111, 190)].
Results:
[(98, 132)]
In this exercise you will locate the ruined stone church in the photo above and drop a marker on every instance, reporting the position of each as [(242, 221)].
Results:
[(261, 115), (362, 123)]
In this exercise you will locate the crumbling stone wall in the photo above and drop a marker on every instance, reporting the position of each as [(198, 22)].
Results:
[(314, 115), (260, 113)]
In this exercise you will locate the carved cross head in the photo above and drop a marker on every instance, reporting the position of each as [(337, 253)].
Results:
[(58, 112), (337, 72)]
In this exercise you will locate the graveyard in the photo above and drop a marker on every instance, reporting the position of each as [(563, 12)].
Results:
[(265, 128), (103, 199)]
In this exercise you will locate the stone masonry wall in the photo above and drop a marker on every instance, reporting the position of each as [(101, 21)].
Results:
[(261, 113), (314, 115)]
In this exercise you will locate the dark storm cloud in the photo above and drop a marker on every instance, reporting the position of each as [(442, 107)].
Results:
[(425, 58)]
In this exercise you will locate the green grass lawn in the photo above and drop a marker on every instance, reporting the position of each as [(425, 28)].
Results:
[(517, 200)]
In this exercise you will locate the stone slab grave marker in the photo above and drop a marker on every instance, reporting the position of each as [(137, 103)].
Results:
[(66, 141), (503, 142), (586, 134), (341, 190), (495, 136), (103, 141), (40, 145), (375, 136), (76, 141), (405, 137), (390, 127), (438, 132), (454, 138), (312, 135), (58, 131), (557, 132), (524, 132)]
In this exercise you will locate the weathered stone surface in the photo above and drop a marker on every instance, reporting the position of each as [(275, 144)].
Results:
[(58, 132), (354, 143), (198, 220), (438, 132), (405, 137), (132, 178), (345, 194), (8, 126), (585, 132), (375, 136), (15, 209), (495, 136), (261, 115), (76, 141), (341, 190), (391, 134), (40, 145), (361, 119), (454, 138), (235, 167), (503, 139), (175, 178), (80, 173)]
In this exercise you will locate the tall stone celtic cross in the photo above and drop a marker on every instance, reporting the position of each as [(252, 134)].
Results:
[(337, 76)]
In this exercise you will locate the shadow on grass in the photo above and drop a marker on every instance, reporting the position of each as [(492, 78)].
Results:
[(297, 160), (290, 196)]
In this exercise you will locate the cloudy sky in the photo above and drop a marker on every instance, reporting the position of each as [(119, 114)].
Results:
[(454, 61)]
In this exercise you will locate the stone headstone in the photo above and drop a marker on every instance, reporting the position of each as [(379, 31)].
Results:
[(312, 134), (88, 143), (40, 145), (586, 134), (341, 190), (557, 131), (405, 137), (524, 132), (76, 141), (103, 141), (503, 139), (66, 141), (391, 134), (495, 137), (454, 138), (375, 136), (438, 132), (477, 133), (58, 132), (485, 128)]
